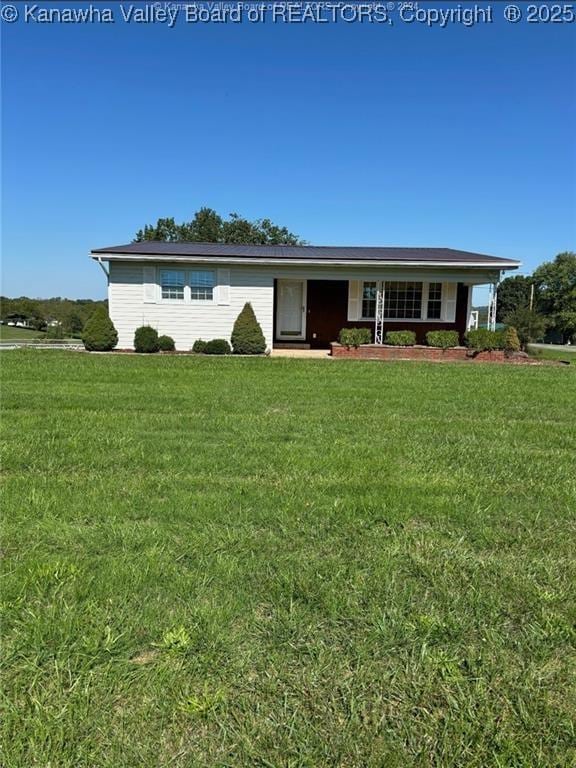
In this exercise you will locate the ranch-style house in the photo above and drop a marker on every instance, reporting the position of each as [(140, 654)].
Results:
[(302, 295)]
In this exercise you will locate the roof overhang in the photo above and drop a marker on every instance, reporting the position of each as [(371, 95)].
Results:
[(501, 265)]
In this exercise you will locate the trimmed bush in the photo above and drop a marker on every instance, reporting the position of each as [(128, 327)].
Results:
[(166, 344), (199, 346), (217, 347), (442, 339), (511, 340), (483, 340), (400, 338), (247, 337), (146, 339), (99, 334), (353, 337)]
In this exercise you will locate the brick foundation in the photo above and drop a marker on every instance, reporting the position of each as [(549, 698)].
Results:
[(384, 352)]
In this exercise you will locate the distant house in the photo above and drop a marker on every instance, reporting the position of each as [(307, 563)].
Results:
[(17, 320), (302, 295)]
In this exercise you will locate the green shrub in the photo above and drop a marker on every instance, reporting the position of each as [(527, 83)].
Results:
[(247, 337), (442, 339), (99, 334), (199, 346), (511, 340), (166, 344), (529, 325), (400, 338), (217, 347), (353, 337), (146, 339), (55, 332), (484, 340)]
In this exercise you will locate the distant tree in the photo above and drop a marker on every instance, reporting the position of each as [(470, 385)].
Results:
[(556, 282), (206, 227), (55, 331), (22, 306), (166, 230), (209, 227), (529, 325), (513, 293), (73, 324), (37, 323)]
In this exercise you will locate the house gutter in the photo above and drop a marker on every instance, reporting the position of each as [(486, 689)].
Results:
[(302, 262)]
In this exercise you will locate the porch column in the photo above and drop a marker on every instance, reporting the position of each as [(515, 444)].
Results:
[(379, 319), (492, 306)]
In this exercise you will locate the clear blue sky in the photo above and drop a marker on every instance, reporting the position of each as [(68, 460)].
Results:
[(346, 133)]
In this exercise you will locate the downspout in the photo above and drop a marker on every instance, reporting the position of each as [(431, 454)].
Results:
[(103, 268), (107, 273)]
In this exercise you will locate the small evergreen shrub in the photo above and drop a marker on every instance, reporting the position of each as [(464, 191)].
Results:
[(99, 334), (400, 338), (483, 340), (146, 339), (166, 344), (511, 340), (217, 347), (247, 337), (353, 337), (442, 339), (199, 346), (530, 326), (55, 332)]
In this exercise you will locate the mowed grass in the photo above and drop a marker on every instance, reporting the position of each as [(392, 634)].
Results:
[(12, 333), (287, 563), (566, 355)]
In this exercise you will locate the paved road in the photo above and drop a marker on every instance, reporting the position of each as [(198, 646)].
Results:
[(555, 347)]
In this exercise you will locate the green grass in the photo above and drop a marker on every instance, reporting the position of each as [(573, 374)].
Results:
[(287, 563), (566, 355), (12, 333)]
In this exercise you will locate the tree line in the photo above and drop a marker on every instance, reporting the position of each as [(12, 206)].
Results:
[(543, 304), (57, 316)]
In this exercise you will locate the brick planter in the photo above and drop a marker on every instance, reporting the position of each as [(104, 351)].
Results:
[(385, 352)]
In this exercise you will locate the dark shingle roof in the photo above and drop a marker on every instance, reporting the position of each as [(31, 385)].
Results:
[(312, 253)]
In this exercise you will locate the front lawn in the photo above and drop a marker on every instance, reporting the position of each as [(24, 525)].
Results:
[(287, 563)]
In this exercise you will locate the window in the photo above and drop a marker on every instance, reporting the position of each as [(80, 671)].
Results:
[(402, 301), (202, 286), (172, 282), (434, 309), (369, 301)]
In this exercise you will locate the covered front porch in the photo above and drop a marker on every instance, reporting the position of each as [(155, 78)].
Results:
[(310, 313)]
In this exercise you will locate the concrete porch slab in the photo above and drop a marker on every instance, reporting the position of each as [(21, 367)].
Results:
[(309, 354)]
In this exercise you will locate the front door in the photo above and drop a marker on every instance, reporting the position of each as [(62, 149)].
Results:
[(327, 311), (291, 310)]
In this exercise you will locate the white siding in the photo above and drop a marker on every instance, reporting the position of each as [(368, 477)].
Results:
[(187, 322)]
